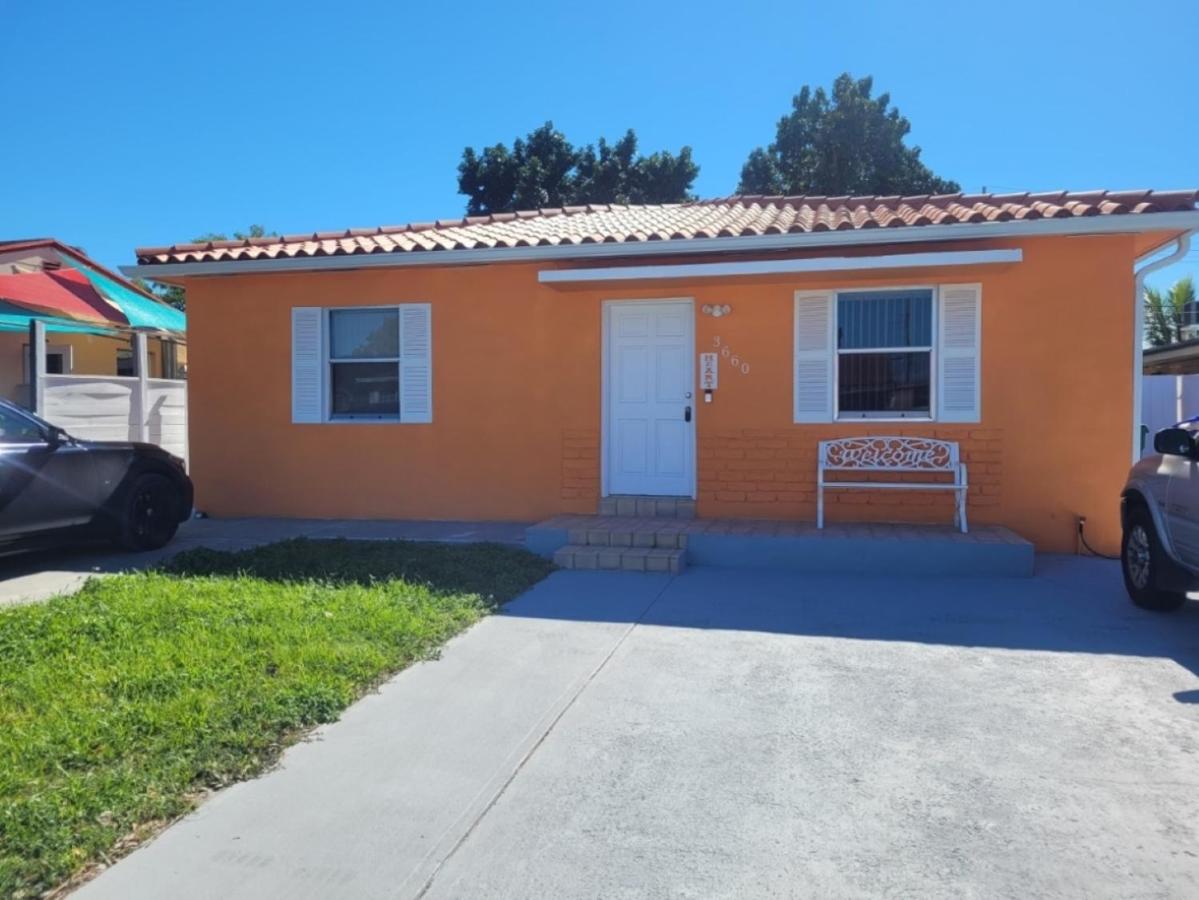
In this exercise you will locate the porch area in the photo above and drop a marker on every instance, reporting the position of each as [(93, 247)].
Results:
[(670, 544)]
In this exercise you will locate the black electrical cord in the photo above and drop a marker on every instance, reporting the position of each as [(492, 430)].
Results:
[(1083, 540)]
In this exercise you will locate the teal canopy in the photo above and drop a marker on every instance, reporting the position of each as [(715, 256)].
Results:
[(141, 311), (17, 318)]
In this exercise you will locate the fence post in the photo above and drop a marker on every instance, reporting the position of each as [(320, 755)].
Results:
[(141, 366), (37, 366)]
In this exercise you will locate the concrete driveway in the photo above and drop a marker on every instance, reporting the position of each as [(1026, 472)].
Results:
[(737, 734)]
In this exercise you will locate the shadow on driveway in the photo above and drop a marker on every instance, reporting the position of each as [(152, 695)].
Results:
[(1070, 605)]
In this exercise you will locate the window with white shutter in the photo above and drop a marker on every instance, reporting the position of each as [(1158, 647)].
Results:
[(907, 353), (958, 384), (814, 356), (416, 363), (307, 365), (370, 363)]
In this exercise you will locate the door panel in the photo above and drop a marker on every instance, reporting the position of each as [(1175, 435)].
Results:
[(651, 375), (1182, 507), (45, 487)]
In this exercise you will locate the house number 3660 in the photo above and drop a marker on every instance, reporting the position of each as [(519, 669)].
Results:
[(735, 360)]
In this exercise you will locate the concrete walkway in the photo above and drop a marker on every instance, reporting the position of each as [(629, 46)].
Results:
[(735, 734), (35, 576)]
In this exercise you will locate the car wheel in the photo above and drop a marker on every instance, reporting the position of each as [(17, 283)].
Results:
[(1141, 557), (151, 513)]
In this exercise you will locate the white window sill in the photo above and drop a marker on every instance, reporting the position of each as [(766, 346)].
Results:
[(362, 420), (865, 420)]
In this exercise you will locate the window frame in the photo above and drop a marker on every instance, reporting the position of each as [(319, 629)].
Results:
[(933, 350), (327, 363)]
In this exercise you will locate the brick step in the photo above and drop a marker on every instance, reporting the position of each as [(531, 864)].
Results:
[(627, 559), (639, 534), (627, 505)]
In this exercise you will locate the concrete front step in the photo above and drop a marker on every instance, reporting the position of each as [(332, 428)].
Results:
[(642, 506), (859, 548), (627, 559), (641, 533)]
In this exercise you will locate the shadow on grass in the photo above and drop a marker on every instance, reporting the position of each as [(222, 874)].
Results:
[(494, 571)]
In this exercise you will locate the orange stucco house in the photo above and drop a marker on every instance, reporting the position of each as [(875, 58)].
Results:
[(517, 366)]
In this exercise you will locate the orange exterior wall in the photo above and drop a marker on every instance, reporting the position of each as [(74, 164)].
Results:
[(516, 397)]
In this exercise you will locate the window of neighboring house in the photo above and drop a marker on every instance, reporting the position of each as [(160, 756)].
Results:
[(364, 363), (884, 354), (58, 360), (125, 364)]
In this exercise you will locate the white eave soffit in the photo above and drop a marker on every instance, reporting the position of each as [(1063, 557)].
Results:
[(782, 266)]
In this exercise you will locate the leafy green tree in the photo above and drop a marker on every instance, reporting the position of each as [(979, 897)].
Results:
[(545, 170), (175, 295), (1167, 313), (846, 143)]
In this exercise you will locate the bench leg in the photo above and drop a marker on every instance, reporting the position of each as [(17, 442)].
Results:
[(961, 516), (819, 505)]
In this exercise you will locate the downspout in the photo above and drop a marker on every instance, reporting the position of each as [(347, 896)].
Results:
[(1138, 363)]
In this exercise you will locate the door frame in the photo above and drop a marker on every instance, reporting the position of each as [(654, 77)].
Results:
[(605, 376)]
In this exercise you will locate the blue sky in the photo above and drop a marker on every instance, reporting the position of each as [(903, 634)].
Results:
[(136, 123)]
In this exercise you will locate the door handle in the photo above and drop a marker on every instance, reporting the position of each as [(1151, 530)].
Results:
[(687, 414)]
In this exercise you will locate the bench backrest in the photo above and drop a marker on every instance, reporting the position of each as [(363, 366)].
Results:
[(889, 454)]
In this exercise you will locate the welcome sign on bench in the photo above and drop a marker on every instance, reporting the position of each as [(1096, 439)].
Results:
[(892, 454)]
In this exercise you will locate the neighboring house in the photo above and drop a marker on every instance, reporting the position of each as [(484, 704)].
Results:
[(1170, 389), (1173, 359), (518, 365), (93, 324)]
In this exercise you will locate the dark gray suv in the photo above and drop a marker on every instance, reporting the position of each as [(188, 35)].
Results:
[(1159, 512)]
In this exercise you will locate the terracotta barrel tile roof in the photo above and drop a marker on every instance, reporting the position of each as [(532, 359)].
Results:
[(724, 217)]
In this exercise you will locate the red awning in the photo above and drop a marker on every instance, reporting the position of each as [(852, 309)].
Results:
[(63, 292)]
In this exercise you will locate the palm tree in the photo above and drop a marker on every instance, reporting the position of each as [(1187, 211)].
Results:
[(1167, 313)]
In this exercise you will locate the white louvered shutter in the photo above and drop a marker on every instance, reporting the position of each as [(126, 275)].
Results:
[(814, 352), (959, 384), (416, 363), (307, 364)]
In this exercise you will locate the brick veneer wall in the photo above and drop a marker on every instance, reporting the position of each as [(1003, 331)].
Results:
[(772, 473), (580, 469)]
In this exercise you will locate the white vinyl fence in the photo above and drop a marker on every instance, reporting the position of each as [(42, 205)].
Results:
[(1166, 400), (110, 408), (115, 407)]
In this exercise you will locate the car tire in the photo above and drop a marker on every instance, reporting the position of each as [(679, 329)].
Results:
[(150, 514), (1141, 559)]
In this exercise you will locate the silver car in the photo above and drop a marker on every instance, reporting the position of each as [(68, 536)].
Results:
[(1159, 514)]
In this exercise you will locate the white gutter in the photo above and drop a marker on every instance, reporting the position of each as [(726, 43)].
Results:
[(782, 266), (1079, 225), (1183, 244)]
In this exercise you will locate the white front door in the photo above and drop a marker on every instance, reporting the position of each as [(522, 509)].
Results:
[(649, 377)]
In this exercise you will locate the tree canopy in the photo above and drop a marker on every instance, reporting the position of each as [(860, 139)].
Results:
[(846, 143), (545, 170), (1167, 312)]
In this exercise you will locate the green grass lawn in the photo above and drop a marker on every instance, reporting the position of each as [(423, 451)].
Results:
[(122, 704)]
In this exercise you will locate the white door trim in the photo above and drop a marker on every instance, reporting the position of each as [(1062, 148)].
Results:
[(605, 376)]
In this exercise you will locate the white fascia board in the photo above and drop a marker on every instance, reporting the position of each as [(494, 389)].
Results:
[(1082, 225), (783, 266)]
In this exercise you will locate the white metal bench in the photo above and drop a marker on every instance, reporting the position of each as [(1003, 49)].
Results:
[(892, 454)]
